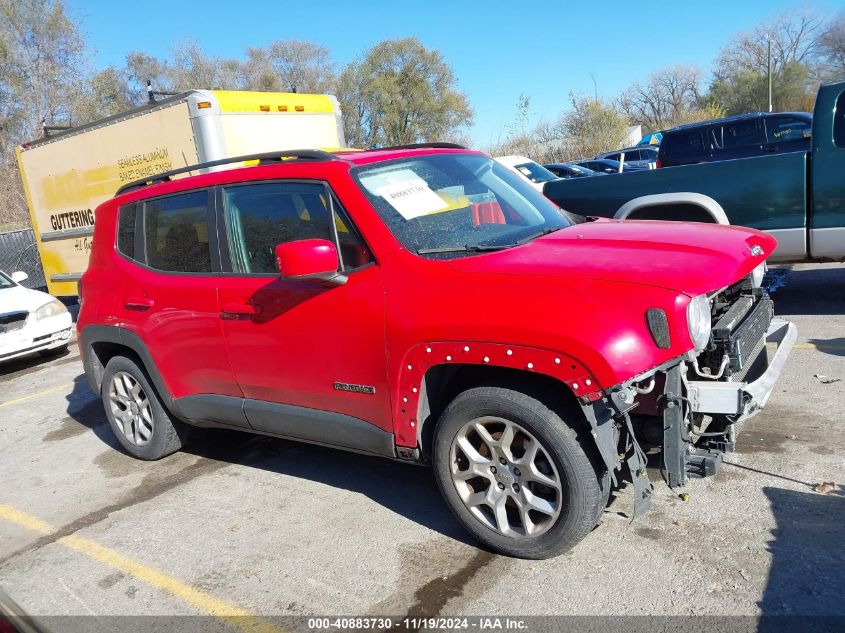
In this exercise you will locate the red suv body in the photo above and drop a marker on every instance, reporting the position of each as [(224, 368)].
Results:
[(426, 305)]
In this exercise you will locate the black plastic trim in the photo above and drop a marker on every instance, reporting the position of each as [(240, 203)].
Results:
[(326, 428), (319, 427)]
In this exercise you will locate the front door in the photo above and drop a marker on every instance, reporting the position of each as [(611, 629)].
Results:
[(301, 349)]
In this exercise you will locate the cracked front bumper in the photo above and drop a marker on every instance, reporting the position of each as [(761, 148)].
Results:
[(742, 400)]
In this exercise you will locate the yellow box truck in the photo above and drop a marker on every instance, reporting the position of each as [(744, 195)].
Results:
[(67, 174)]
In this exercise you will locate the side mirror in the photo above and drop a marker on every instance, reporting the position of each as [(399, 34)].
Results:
[(309, 259), (19, 276)]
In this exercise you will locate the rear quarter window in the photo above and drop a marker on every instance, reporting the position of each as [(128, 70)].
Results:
[(126, 230)]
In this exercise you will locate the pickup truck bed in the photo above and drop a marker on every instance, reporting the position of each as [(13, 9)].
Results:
[(799, 197)]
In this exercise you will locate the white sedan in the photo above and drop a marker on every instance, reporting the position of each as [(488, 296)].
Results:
[(534, 173), (30, 321)]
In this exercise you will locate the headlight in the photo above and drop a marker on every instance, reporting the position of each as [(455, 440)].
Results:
[(698, 320), (54, 308), (757, 275)]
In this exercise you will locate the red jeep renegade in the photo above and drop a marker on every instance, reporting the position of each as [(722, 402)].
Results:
[(425, 304)]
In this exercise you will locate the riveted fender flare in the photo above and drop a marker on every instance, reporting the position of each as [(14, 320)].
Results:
[(706, 203), (424, 356)]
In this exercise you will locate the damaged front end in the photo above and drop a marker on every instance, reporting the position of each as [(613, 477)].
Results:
[(689, 408)]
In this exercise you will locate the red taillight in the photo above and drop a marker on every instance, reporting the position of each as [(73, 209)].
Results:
[(658, 165)]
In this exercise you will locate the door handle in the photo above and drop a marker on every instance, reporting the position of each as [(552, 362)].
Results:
[(769, 148), (234, 310), (136, 303)]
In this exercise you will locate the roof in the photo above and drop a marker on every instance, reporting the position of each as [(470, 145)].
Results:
[(735, 117), (285, 157), (365, 157)]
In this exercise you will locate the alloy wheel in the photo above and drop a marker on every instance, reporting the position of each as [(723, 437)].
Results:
[(505, 477), (131, 408)]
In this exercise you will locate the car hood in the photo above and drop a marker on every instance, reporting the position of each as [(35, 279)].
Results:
[(18, 298), (686, 257)]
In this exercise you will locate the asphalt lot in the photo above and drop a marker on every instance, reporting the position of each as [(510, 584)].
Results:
[(240, 525)]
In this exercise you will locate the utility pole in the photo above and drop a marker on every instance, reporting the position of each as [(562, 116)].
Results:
[(769, 40)]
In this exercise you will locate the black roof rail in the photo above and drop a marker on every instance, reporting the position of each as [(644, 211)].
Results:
[(264, 158), (421, 146)]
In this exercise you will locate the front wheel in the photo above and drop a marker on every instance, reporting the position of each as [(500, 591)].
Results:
[(515, 474)]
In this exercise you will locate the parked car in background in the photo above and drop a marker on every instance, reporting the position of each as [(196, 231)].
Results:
[(569, 170), (484, 330), (30, 321), (797, 197), (636, 156), (534, 172), (740, 136), (607, 166)]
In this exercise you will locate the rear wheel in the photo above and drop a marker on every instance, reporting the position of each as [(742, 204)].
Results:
[(137, 417), (515, 474)]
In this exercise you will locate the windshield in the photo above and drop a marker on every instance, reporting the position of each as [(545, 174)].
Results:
[(535, 172), (458, 202), (5, 282)]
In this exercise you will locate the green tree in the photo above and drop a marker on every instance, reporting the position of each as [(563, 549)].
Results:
[(592, 126), (401, 92)]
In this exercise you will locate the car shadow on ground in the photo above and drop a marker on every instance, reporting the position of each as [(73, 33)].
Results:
[(833, 346), (806, 579), (814, 291), (29, 364), (405, 489)]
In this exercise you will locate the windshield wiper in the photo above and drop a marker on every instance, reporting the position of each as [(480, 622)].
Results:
[(466, 248), (534, 236)]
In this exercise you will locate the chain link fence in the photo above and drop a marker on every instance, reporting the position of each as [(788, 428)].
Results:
[(18, 252)]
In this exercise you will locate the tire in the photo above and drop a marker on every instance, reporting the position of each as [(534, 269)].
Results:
[(557, 517), (135, 412)]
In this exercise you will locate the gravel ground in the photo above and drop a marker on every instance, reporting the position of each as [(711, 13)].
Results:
[(242, 524)]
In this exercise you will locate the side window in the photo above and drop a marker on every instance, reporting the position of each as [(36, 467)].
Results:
[(715, 133), (261, 216), (613, 156), (839, 122), (176, 231), (740, 133), (780, 129), (632, 155), (683, 144), (126, 230)]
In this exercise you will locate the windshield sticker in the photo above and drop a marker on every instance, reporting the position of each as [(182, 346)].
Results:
[(412, 198)]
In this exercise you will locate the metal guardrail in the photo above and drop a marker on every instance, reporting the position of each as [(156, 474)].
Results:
[(19, 252)]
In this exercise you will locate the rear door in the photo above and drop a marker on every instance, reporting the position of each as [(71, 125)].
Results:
[(301, 349), (171, 265), (741, 139)]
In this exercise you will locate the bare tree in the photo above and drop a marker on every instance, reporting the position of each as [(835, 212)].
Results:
[(43, 64), (832, 50), (666, 98), (795, 37)]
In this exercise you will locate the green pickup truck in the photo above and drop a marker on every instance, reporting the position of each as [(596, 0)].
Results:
[(799, 197)]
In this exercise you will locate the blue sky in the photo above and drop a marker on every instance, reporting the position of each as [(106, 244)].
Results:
[(497, 49)]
